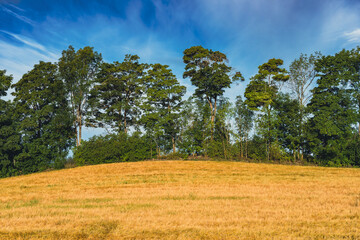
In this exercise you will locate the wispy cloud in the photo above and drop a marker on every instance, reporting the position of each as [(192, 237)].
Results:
[(18, 16), (15, 7), (353, 36), (26, 41), (17, 60)]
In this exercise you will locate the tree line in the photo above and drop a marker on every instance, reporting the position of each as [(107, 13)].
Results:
[(309, 113)]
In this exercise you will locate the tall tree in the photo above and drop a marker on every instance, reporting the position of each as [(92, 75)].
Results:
[(244, 119), (78, 70), (44, 119), (195, 126), (209, 72), (223, 128), (302, 76), (353, 74), (288, 125), (332, 110), (9, 137), (261, 93), (116, 97), (162, 104)]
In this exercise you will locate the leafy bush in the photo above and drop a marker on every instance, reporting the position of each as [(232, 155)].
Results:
[(113, 148)]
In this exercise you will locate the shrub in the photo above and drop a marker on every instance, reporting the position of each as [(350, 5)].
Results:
[(112, 148)]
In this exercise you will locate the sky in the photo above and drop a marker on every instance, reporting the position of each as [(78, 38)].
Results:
[(249, 32)]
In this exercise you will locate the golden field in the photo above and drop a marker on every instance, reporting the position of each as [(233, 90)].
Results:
[(182, 200)]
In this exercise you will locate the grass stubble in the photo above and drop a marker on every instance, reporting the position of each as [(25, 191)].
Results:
[(182, 200)]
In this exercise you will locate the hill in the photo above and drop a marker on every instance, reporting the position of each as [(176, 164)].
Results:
[(182, 200)]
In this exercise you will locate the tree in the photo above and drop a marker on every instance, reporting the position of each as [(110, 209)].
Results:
[(162, 103), (9, 137), (195, 126), (209, 72), (288, 124), (244, 123), (44, 120), (261, 93), (302, 76), (223, 129), (353, 78), (78, 70), (332, 109), (116, 97)]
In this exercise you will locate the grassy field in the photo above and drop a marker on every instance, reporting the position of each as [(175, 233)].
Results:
[(182, 200)]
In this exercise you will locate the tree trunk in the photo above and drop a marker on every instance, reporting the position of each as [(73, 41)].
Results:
[(173, 143), (241, 148), (359, 110), (268, 133), (125, 128), (294, 155), (80, 128), (213, 114), (224, 148), (151, 150), (246, 147), (212, 119)]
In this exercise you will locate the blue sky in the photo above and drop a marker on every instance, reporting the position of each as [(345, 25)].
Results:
[(249, 32)]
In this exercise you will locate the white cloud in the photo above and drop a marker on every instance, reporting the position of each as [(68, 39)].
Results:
[(337, 19), (18, 16), (18, 60), (353, 36), (26, 41)]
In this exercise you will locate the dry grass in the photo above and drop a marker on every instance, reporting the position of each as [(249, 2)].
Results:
[(182, 200)]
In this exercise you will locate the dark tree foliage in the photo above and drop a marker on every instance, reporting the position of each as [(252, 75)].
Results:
[(78, 70), (260, 95), (9, 137), (244, 120), (210, 74), (353, 80), (302, 77), (53, 101), (162, 105), (288, 124), (332, 109), (220, 145), (112, 148), (195, 131), (115, 99), (264, 86), (45, 123)]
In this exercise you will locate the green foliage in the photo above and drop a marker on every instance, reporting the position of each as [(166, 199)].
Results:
[(78, 70), (53, 102), (44, 118), (352, 151), (162, 105), (353, 79), (210, 74), (223, 129), (208, 71), (333, 113), (113, 148), (215, 149), (244, 120), (257, 149), (195, 132), (115, 100), (302, 76), (260, 95), (264, 86), (288, 123), (9, 137)]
